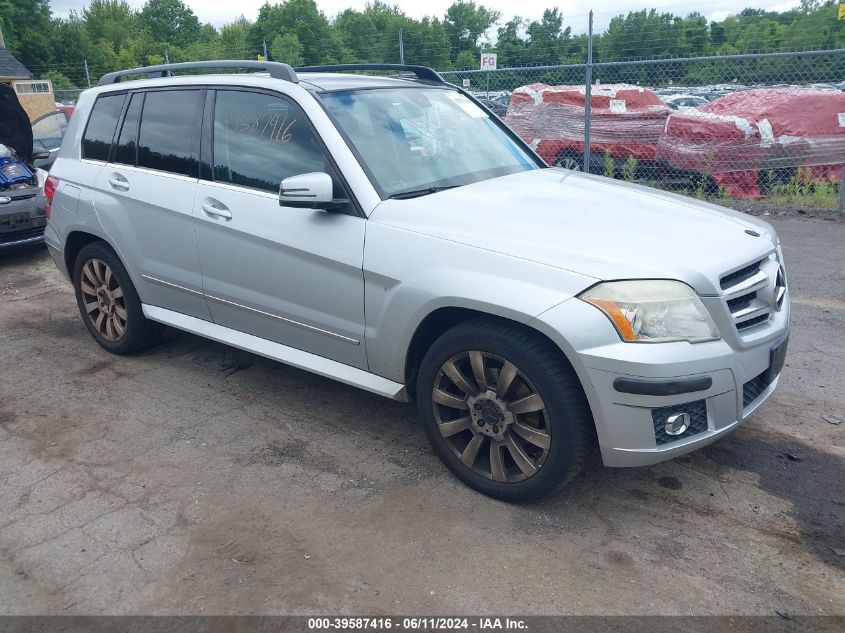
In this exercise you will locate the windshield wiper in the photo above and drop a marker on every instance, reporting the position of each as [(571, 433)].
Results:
[(416, 193)]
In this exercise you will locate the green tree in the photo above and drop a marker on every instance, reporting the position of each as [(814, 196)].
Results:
[(109, 20), (320, 43), (170, 21), (71, 44), (27, 31), (547, 39), (287, 48), (466, 60), (359, 36), (511, 47), (466, 23), (60, 81), (426, 43), (234, 40)]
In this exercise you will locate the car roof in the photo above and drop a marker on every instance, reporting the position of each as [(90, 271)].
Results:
[(351, 81)]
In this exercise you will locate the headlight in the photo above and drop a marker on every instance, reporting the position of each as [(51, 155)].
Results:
[(653, 311)]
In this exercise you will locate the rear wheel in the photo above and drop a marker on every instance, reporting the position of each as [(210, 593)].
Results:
[(503, 410), (109, 303)]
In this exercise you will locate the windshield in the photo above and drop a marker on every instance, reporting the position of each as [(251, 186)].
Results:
[(422, 140)]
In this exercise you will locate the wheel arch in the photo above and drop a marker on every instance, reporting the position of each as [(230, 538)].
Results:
[(74, 242), (438, 321)]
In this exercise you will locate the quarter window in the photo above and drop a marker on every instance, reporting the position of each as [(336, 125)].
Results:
[(168, 124), (259, 140), (96, 142)]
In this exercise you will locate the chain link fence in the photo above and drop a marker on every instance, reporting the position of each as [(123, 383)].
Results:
[(763, 131)]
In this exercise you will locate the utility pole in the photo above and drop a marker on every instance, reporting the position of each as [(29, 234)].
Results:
[(264, 44), (2, 41), (87, 74), (166, 57), (588, 95), (401, 49)]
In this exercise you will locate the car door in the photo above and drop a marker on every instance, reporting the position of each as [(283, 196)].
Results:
[(145, 195), (289, 275), (47, 134)]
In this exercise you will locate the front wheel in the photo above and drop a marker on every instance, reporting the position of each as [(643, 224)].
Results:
[(504, 410)]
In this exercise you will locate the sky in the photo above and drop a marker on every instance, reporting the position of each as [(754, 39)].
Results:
[(220, 12)]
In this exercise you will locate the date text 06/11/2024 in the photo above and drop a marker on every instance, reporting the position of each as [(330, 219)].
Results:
[(416, 624)]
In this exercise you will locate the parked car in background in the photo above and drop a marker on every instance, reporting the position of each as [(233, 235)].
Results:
[(47, 134), (532, 312), (684, 102), (626, 120), (22, 202), (496, 107), (748, 141)]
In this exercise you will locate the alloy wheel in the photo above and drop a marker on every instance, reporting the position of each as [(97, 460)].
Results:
[(568, 162), (102, 297), (491, 416)]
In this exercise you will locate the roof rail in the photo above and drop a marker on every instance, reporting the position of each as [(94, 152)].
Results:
[(422, 72), (277, 70)]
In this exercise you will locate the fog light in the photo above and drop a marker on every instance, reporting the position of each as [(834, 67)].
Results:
[(677, 424)]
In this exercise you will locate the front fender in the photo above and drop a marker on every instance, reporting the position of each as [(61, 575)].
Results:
[(409, 275)]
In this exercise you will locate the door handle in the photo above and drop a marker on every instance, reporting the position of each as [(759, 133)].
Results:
[(216, 209), (118, 182)]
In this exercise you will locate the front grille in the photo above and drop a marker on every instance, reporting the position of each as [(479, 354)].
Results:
[(698, 420), (741, 291), (753, 388), (739, 276), (763, 318)]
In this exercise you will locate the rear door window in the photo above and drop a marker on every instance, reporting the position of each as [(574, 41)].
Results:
[(97, 140), (170, 123), (127, 140)]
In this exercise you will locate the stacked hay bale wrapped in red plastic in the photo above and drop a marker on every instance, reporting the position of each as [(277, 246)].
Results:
[(626, 121), (749, 141)]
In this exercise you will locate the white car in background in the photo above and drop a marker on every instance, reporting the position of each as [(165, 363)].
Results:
[(684, 102)]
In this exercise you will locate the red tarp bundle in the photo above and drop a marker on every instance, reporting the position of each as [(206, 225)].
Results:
[(626, 120), (736, 136)]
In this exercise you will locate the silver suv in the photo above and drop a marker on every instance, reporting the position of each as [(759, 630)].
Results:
[(390, 233)]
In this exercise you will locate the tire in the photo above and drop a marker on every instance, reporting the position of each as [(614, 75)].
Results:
[(108, 302), (569, 160), (561, 432)]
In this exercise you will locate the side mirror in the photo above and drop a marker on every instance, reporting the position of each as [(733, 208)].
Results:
[(40, 154), (5, 200), (309, 191)]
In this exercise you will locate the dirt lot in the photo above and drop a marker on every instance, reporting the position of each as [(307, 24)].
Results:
[(195, 478)]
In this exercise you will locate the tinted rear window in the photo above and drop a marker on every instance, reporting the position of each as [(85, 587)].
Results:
[(167, 128), (96, 142), (124, 151)]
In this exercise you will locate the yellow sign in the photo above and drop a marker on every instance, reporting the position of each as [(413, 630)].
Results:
[(841, 14)]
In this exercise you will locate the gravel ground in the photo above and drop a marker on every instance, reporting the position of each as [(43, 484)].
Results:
[(198, 479)]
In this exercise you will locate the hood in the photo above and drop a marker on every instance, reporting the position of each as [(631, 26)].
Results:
[(15, 128), (594, 226)]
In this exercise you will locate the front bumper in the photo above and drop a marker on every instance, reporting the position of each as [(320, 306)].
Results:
[(719, 383), (22, 221)]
